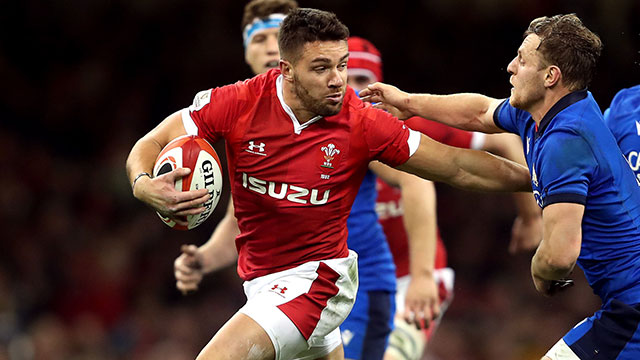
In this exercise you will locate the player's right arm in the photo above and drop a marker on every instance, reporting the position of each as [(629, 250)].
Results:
[(159, 192), (558, 253), (465, 111)]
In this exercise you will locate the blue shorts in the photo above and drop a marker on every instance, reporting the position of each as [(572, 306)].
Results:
[(611, 333), (365, 332)]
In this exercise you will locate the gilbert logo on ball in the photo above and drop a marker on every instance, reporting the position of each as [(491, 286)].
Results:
[(197, 154)]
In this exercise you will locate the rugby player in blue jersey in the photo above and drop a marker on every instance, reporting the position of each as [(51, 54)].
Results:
[(589, 195), (623, 119)]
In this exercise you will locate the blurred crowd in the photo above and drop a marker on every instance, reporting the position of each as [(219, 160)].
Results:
[(86, 270)]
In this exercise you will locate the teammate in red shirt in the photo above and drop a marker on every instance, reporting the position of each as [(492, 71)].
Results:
[(293, 201)]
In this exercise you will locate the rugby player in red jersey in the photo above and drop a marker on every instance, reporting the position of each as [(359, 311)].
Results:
[(298, 142)]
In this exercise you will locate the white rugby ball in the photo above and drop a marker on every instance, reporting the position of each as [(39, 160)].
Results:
[(195, 153)]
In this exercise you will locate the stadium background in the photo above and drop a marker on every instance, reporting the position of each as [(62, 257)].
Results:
[(86, 271)]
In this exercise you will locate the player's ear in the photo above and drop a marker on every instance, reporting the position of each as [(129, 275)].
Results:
[(552, 76), (286, 69)]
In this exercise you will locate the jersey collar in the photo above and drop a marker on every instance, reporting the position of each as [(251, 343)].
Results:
[(565, 102), (297, 127)]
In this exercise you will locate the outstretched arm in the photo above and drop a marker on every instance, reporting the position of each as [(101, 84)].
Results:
[(465, 111), (466, 169), (160, 192), (422, 304)]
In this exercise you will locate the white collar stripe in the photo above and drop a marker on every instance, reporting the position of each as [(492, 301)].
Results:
[(297, 127)]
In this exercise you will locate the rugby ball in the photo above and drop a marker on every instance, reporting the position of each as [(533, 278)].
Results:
[(197, 154)]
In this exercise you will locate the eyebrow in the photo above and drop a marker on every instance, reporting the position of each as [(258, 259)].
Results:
[(327, 60)]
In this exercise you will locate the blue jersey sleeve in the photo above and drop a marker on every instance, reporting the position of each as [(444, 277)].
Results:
[(509, 118), (567, 166)]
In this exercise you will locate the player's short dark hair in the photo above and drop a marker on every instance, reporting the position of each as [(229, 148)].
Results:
[(568, 44), (305, 25), (263, 8)]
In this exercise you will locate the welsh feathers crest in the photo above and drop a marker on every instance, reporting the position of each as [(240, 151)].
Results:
[(330, 152)]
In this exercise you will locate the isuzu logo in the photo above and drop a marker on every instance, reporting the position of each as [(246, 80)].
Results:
[(284, 191)]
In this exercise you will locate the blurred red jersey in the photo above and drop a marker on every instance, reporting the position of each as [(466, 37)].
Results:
[(293, 184), (389, 203)]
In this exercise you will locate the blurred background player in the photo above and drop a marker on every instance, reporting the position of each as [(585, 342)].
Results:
[(408, 341), (366, 330), (623, 119)]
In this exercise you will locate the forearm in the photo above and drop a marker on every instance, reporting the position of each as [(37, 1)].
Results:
[(509, 146), (419, 203), (479, 170), (545, 268), (142, 157), (465, 111)]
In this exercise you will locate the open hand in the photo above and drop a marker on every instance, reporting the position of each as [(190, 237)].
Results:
[(422, 303), (388, 98)]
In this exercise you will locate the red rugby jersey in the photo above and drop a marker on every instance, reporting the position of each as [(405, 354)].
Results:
[(389, 203), (293, 185)]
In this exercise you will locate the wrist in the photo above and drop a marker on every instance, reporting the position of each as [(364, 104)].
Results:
[(141, 177), (422, 272), (408, 103)]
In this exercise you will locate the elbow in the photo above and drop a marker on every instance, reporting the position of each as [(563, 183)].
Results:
[(554, 267)]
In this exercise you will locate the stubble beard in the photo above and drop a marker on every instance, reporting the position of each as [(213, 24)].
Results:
[(313, 105)]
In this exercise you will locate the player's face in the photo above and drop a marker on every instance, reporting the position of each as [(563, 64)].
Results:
[(527, 75), (320, 76), (262, 51), (359, 82)]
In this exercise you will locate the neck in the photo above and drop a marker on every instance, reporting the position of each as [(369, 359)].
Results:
[(540, 109), (293, 101)]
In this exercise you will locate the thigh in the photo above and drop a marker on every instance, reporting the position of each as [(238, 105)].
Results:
[(366, 330), (611, 333), (240, 338), (337, 354), (328, 347), (300, 309)]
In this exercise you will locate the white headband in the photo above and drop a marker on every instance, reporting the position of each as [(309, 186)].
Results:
[(269, 22)]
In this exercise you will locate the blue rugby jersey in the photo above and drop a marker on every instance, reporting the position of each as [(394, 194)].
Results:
[(574, 158), (623, 119), (376, 269)]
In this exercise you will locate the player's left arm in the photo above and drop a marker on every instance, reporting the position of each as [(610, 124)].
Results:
[(419, 203), (559, 250), (466, 169)]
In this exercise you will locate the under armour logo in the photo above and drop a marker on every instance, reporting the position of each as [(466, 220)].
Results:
[(252, 146), (257, 149), (282, 290)]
